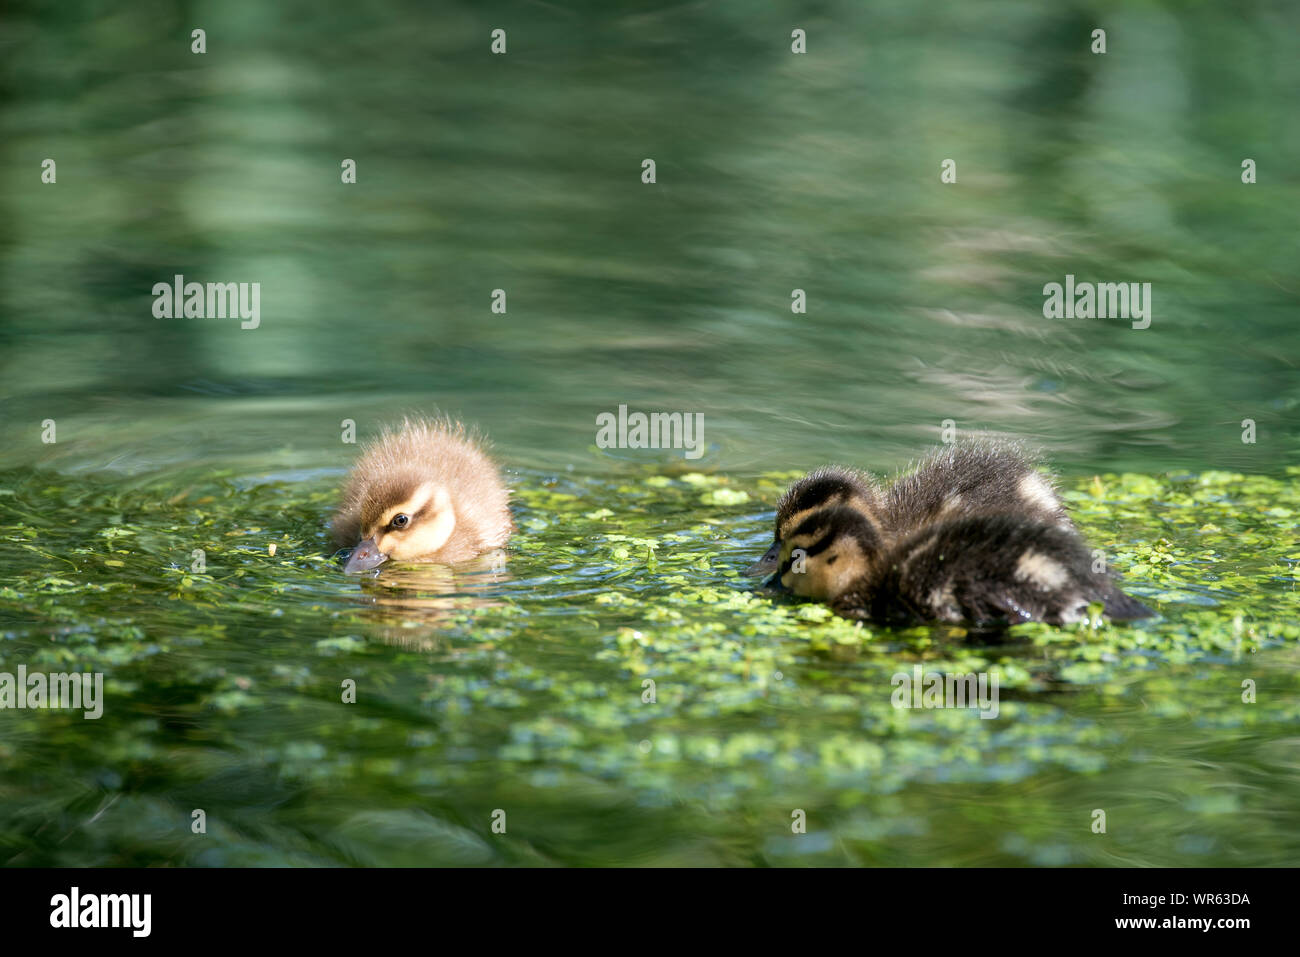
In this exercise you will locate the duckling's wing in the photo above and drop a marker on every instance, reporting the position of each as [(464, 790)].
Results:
[(869, 600), (1001, 568)]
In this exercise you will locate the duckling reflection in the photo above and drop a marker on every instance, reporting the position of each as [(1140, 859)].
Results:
[(412, 606)]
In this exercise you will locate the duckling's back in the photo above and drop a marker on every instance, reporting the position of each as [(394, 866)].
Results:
[(976, 478)]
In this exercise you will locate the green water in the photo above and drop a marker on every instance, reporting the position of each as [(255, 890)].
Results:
[(521, 690)]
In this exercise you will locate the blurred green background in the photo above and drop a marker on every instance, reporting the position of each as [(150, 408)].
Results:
[(775, 171)]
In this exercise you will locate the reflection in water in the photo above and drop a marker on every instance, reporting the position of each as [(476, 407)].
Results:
[(409, 605)]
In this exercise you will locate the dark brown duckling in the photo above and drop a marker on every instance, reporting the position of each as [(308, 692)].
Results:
[(986, 569), (976, 477)]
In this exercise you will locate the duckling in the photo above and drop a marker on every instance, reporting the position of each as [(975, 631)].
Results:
[(985, 569), (425, 492), (826, 486), (970, 479)]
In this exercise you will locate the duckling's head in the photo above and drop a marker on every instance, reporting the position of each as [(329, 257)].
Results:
[(831, 485), (829, 550), (403, 519)]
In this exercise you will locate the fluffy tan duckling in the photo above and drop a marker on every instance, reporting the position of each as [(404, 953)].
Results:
[(985, 569), (425, 492)]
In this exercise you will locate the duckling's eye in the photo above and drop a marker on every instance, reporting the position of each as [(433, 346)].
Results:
[(400, 521)]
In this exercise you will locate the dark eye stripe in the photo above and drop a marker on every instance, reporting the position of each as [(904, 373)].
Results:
[(819, 546), (410, 517), (838, 523), (816, 548)]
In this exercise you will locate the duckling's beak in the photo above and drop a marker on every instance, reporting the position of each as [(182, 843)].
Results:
[(365, 556), (767, 564)]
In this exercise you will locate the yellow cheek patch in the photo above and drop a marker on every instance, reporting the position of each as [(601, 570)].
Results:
[(419, 541)]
